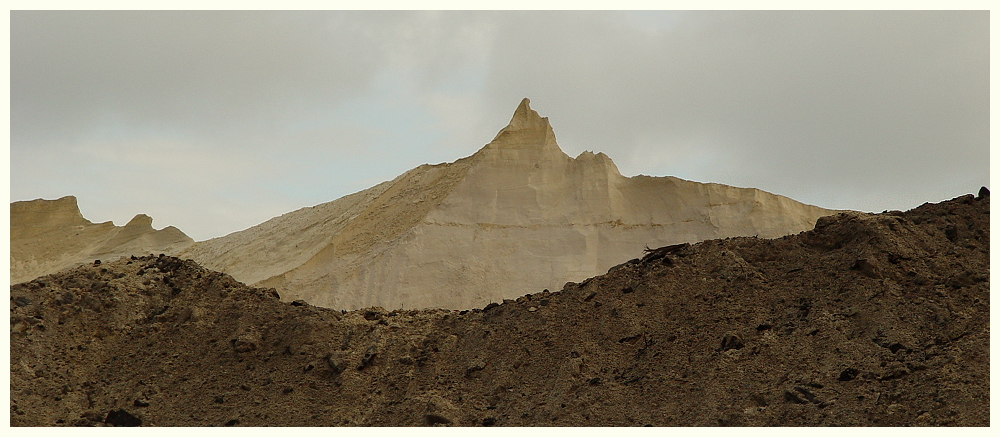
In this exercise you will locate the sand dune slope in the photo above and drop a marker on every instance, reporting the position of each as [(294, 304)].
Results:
[(518, 216)]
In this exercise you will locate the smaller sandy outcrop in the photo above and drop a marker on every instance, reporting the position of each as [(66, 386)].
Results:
[(47, 236)]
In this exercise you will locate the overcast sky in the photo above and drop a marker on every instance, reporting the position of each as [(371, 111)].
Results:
[(216, 121)]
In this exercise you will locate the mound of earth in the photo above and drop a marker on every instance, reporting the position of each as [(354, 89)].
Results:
[(47, 236), (866, 320), (516, 216)]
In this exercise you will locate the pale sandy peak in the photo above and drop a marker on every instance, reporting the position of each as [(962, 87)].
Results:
[(526, 131), (516, 217), (598, 159), (527, 118), (140, 221)]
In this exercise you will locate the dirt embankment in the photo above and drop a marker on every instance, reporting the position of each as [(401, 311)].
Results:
[(866, 320)]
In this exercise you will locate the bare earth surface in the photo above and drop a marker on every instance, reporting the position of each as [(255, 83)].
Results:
[(866, 320)]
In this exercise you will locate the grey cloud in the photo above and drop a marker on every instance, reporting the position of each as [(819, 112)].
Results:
[(204, 70), (868, 110), (854, 99)]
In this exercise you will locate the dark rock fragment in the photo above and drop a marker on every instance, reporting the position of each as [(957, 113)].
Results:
[(896, 258), (627, 290), (804, 307), (22, 301), (369, 356), (121, 418), (489, 421), (233, 422), (140, 403), (794, 398), (730, 341), (983, 193), (894, 374), (655, 254), (65, 298), (490, 306), (434, 419), (951, 233), (243, 344), (624, 264), (893, 347), (97, 262), (962, 280), (867, 268), (92, 416), (629, 339), (300, 303), (474, 366), (807, 394)]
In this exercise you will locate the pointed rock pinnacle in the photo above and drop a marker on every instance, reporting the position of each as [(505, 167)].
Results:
[(140, 221), (527, 118), (526, 130)]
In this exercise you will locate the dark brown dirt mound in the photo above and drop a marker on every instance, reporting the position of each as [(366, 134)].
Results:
[(866, 320)]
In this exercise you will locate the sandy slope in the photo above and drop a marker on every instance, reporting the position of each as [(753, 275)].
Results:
[(47, 236), (517, 216)]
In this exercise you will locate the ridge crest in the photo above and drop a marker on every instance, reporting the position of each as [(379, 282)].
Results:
[(526, 131)]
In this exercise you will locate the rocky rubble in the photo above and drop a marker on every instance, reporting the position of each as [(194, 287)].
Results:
[(867, 320)]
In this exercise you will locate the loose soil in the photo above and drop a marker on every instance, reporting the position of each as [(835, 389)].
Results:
[(867, 320)]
